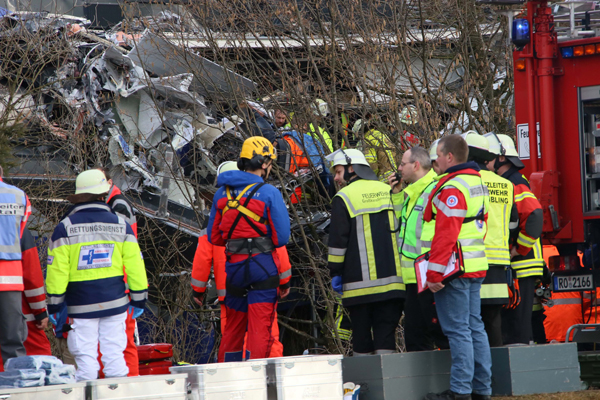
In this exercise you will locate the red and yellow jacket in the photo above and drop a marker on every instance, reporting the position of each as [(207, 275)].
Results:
[(526, 237), (34, 295), (121, 206), (452, 209), (208, 255)]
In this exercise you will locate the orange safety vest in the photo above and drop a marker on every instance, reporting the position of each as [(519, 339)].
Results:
[(565, 312), (298, 156)]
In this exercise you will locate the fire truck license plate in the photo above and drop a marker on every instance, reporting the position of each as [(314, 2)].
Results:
[(573, 283)]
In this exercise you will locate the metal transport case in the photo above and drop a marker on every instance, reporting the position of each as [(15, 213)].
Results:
[(303, 377), (224, 381)]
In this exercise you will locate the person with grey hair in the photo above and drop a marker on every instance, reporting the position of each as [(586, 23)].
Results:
[(422, 330)]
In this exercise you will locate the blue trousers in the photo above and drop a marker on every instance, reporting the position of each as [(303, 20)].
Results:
[(459, 312)]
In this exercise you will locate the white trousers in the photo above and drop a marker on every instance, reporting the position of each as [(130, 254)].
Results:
[(83, 342)]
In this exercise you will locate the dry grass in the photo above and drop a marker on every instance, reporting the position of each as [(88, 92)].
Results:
[(585, 395)]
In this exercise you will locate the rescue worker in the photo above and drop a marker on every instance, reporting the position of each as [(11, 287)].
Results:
[(526, 249), (208, 256), (14, 212), (364, 262), (379, 152), (459, 203), (121, 206), (501, 216), (320, 109), (89, 252), (422, 330), (280, 118), (33, 299), (249, 217)]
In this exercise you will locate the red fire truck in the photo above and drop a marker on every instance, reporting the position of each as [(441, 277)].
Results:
[(557, 94)]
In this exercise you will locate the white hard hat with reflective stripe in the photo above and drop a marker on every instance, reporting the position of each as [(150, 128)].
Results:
[(433, 150), (92, 181), (347, 157), (494, 144), (509, 146)]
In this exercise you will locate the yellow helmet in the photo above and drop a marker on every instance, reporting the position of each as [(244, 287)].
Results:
[(92, 181), (258, 146)]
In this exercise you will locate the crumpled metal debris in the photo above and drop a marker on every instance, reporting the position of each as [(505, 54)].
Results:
[(143, 103)]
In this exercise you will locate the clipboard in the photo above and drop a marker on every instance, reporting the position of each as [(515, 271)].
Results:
[(454, 269)]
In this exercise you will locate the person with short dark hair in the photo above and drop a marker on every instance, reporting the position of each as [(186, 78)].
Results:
[(455, 145), (250, 219), (459, 204), (280, 119)]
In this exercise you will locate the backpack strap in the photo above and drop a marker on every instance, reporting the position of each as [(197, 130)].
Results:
[(243, 211)]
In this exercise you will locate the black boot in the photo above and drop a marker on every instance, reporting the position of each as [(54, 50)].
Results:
[(447, 395), (475, 396)]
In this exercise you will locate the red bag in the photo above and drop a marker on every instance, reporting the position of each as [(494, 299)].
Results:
[(156, 368), (155, 351)]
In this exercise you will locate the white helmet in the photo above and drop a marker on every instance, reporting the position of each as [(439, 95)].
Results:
[(227, 166), (409, 115), (503, 145), (347, 157), (320, 108), (356, 128), (355, 158), (433, 150), (495, 144), (479, 147), (509, 146), (92, 181)]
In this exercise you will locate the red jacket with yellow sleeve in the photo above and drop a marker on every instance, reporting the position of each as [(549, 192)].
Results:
[(34, 295), (526, 238)]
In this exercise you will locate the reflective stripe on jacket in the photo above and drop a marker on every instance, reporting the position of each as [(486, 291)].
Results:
[(34, 294), (121, 206), (14, 212), (363, 247), (86, 256), (566, 312), (413, 226), (501, 202), (380, 154), (322, 136), (458, 196), (526, 238)]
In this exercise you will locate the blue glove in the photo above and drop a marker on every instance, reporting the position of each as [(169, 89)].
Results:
[(336, 284), (136, 311), (52, 319)]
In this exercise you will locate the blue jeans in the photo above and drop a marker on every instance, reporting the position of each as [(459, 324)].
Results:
[(459, 312)]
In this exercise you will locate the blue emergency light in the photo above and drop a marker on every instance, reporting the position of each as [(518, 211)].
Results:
[(566, 52), (520, 32)]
